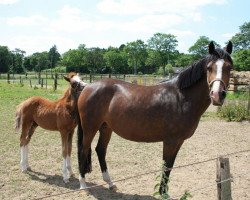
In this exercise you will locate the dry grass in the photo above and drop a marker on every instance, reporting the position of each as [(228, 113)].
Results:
[(212, 138)]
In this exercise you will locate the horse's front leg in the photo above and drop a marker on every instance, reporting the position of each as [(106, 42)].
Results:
[(170, 150)]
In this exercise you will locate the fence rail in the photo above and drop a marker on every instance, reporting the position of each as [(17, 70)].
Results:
[(50, 79)]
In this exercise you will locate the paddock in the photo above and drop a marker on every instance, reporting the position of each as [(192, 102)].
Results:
[(125, 158)]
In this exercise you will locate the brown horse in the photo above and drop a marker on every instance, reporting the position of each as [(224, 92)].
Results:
[(167, 112), (54, 116)]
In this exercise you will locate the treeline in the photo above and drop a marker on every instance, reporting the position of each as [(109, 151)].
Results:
[(158, 55)]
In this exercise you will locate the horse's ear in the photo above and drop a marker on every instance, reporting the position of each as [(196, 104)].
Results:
[(229, 47), (211, 48), (66, 78)]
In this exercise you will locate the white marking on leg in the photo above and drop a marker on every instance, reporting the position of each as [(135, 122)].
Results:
[(68, 163), (219, 64), (64, 170), (83, 185), (107, 178), (23, 159), (26, 156)]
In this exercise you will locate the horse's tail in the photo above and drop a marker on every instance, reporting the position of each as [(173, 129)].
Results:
[(87, 166), (18, 121)]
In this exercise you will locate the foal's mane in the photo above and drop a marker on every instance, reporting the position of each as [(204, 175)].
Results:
[(197, 70)]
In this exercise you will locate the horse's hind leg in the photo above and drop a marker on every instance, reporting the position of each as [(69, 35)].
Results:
[(101, 149), (68, 158), (27, 132), (64, 137)]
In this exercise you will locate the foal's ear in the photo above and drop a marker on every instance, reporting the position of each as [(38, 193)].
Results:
[(229, 47), (211, 47), (66, 78)]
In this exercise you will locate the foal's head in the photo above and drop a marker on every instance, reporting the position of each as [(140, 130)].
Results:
[(75, 81), (218, 72)]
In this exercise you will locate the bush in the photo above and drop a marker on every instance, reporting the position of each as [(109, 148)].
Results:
[(234, 112)]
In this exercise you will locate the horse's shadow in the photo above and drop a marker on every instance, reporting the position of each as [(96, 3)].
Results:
[(99, 192)]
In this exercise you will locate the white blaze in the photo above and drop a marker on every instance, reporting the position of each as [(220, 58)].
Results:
[(219, 64)]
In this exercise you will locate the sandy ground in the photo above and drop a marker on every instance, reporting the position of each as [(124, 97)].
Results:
[(212, 138)]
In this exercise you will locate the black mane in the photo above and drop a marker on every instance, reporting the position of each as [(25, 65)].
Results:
[(197, 70)]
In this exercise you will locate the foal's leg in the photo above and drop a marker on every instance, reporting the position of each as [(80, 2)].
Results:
[(68, 158), (101, 149), (64, 137), (170, 151), (27, 131)]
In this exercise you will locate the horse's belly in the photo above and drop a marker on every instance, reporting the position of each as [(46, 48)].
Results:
[(138, 134)]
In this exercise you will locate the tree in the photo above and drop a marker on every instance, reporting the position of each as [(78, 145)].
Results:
[(39, 61), (94, 59), (200, 47), (165, 46), (75, 59), (137, 54), (17, 61), (53, 56), (116, 60), (184, 60), (241, 40), (242, 60), (5, 59)]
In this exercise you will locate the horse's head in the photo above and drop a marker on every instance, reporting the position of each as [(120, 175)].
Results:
[(75, 81), (218, 72)]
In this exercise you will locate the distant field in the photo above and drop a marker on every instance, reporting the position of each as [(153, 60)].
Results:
[(124, 158)]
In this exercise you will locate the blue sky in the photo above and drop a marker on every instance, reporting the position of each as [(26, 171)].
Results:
[(36, 25)]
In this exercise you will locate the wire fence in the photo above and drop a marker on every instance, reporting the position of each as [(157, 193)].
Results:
[(157, 171)]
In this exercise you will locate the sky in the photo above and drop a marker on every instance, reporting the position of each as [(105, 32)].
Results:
[(37, 25)]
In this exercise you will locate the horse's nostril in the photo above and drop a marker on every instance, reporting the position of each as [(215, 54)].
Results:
[(223, 94)]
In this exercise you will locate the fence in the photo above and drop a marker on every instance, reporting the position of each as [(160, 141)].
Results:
[(222, 181), (50, 80)]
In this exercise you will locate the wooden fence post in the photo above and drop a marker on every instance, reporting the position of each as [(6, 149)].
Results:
[(30, 83), (55, 82), (8, 78), (223, 179)]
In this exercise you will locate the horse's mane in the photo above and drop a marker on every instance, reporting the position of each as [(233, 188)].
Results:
[(197, 70)]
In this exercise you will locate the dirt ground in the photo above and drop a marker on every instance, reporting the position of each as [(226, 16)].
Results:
[(212, 138)]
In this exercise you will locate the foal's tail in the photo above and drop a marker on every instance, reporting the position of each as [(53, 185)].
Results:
[(18, 124)]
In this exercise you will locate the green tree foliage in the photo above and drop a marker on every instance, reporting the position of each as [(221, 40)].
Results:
[(137, 54), (53, 56), (17, 61), (241, 40), (5, 59), (94, 60), (165, 46), (184, 60), (200, 47), (242, 60), (39, 61), (116, 60), (75, 59)]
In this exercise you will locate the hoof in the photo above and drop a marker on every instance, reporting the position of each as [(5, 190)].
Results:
[(66, 180), (85, 191), (113, 188), (25, 171)]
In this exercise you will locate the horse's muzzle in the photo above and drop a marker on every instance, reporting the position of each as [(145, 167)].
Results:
[(217, 98)]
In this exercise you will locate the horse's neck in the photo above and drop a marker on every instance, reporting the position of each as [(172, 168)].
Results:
[(198, 96)]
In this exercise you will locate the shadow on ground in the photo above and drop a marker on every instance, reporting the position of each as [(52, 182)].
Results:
[(98, 192)]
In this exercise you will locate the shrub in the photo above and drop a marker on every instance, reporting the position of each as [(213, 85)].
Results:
[(234, 112)]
